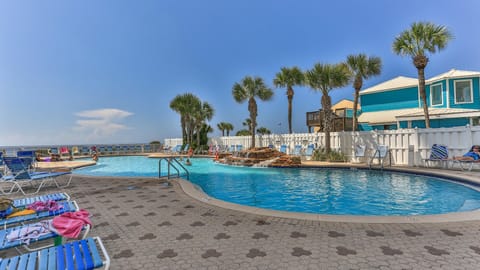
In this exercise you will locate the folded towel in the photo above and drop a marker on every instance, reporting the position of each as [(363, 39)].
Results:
[(70, 224), (21, 213), (31, 232)]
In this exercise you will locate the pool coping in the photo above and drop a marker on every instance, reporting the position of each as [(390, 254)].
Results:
[(198, 194)]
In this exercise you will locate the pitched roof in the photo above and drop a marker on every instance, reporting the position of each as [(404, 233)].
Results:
[(403, 82), (395, 83), (344, 103), (453, 73)]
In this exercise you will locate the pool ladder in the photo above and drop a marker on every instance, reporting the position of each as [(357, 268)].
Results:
[(172, 162), (381, 158)]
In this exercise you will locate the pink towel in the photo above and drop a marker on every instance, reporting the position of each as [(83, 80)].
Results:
[(49, 205), (70, 224)]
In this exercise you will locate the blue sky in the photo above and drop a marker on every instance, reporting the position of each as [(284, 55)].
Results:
[(75, 72)]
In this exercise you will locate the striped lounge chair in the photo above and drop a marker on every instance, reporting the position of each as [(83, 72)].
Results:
[(83, 254), (438, 154)]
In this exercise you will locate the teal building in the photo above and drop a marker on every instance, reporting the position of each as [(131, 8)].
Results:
[(453, 99)]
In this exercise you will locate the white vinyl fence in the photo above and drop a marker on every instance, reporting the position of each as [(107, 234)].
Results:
[(408, 146)]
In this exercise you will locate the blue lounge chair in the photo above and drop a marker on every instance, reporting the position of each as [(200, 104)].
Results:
[(21, 175), (5, 243), (24, 202), (297, 150), (102, 150), (185, 149), (67, 206), (82, 254), (28, 158), (177, 149), (109, 149), (438, 154), (85, 151), (309, 151), (283, 148), (54, 151), (146, 148), (468, 164), (239, 147)]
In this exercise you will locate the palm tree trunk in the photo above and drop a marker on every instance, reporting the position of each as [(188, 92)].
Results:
[(252, 108), (423, 96), (327, 112), (183, 124), (290, 99), (198, 135), (420, 62), (357, 84), (355, 109)]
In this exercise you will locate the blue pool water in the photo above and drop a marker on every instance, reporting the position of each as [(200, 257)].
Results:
[(321, 191)]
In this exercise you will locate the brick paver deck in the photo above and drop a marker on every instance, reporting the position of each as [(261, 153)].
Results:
[(146, 224)]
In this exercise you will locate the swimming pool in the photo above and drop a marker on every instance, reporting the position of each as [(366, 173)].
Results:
[(314, 190)]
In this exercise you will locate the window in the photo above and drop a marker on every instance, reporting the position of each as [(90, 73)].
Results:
[(463, 91), (436, 94), (475, 121), (340, 112)]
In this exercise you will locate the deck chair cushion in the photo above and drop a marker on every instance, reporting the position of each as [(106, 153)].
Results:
[(439, 152)]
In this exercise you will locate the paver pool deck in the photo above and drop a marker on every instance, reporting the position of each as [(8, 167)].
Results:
[(146, 224)]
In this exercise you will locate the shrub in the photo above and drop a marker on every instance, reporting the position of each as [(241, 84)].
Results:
[(332, 156)]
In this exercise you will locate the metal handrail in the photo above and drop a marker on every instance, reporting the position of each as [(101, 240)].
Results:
[(380, 159), (170, 163)]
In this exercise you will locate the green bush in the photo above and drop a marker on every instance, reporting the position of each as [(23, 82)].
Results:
[(332, 156)]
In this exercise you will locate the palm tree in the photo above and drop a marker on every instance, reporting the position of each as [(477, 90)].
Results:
[(202, 114), (248, 123), (243, 132), (185, 105), (325, 77), (263, 131), (228, 128), (362, 68), (248, 89), (221, 126), (422, 37), (288, 77)]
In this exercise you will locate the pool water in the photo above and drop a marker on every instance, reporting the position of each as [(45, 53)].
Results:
[(310, 190)]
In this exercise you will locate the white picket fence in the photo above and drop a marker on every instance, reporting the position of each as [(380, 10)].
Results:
[(408, 147)]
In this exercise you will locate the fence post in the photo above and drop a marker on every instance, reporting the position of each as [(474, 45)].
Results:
[(415, 148)]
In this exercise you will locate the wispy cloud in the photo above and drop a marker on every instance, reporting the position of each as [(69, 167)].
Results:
[(102, 122)]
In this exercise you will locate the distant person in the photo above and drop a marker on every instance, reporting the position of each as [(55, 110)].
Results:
[(95, 156), (472, 155), (188, 162)]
